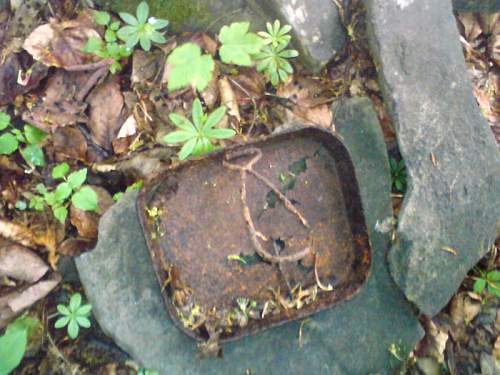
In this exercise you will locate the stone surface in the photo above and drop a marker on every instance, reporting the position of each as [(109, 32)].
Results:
[(351, 338), (455, 202), (318, 32), (317, 29), (490, 6)]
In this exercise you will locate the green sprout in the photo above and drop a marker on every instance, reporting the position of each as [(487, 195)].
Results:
[(489, 282), (238, 44), (74, 315), (398, 174), (141, 29), (29, 138), (276, 34), (198, 136)]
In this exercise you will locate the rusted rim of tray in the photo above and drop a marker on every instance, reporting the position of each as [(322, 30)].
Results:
[(362, 243)]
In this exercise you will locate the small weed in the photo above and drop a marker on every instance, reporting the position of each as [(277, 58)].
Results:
[(141, 29), (198, 136), (276, 34), (14, 341), (30, 137), (135, 186), (145, 371), (398, 174), (488, 282), (82, 197), (74, 315), (238, 44)]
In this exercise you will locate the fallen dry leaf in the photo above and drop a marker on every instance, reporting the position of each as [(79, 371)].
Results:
[(106, 104), (463, 309), (75, 246), (87, 222), (9, 74), (20, 263), (434, 343), (249, 86), (205, 42), (16, 233), (147, 66), (60, 44), (228, 98), (69, 143)]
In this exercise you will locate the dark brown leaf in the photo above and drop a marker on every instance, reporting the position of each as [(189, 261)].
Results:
[(20, 263), (69, 143)]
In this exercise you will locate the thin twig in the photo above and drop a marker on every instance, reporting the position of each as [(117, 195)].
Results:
[(92, 66)]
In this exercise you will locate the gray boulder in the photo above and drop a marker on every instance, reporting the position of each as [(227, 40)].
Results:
[(449, 216), (351, 338), (489, 6)]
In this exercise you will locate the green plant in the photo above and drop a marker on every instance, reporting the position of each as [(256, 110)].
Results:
[(145, 371), (82, 197), (276, 34), (398, 174), (74, 315), (141, 29), (189, 67), (30, 137), (273, 62), (238, 44), (135, 186), (197, 136), (488, 281), (109, 48), (14, 341)]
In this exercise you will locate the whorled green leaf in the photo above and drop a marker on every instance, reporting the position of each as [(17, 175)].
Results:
[(178, 136), (73, 329), (188, 67), (84, 310), (214, 118), (197, 114), (8, 144), (62, 322), (128, 18), (238, 44), (182, 123), (83, 321), (85, 199), (187, 149), (75, 301), (220, 133), (142, 12)]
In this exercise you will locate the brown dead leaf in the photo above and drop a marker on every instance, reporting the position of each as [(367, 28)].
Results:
[(60, 44), (75, 246), (106, 119), (147, 66), (20, 263), (463, 309), (9, 74), (211, 93), (471, 25), (87, 222), (16, 233), (32, 294), (57, 106), (205, 42), (434, 343), (69, 143), (228, 98), (249, 86), (308, 105)]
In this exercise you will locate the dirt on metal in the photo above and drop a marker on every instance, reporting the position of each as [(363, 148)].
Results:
[(257, 235)]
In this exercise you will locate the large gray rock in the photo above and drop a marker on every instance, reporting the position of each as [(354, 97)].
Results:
[(351, 338), (490, 6), (317, 29), (453, 203)]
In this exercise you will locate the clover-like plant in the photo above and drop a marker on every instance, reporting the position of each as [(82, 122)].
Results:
[(74, 315), (273, 62), (141, 29), (197, 136), (276, 34), (82, 197), (13, 138), (489, 282)]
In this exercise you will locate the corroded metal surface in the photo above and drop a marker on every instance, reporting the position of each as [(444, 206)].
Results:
[(201, 246)]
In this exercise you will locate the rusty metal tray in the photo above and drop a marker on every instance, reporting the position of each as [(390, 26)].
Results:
[(257, 235)]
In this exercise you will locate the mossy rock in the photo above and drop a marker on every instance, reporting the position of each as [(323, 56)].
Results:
[(193, 15)]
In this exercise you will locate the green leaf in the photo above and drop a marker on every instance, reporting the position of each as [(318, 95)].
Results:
[(187, 149), (62, 309), (494, 289), (84, 310), (238, 44), (110, 36), (4, 120), (479, 286), (19, 135), (128, 18), (197, 113), (214, 118), (93, 45), (60, 213), (62, 322), (493, 275), (188, 67), (85, 199), (62, 192), (60, 170), (118, 196), (33, 135), (50, 198), (145, 42), (142, 12), (41, 189), (158, 23), (182, 123), (12, 348), (75, 301), (157, 37), (77, 178), (36, 203), (21, 205), (102, 18), (178, 136), (220, 133), (83, 321), (73, 329), (114, 26), (33, 155), (8, 144)]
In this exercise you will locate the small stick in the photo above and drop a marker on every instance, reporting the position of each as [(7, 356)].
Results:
[(92, 66)]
